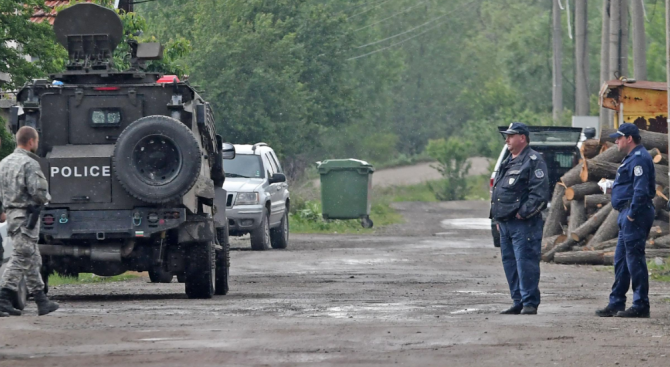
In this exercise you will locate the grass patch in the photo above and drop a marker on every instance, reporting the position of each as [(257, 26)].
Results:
[(85, 278), (659, 272)]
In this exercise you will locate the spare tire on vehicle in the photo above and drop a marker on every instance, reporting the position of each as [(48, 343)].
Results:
[(157, 159)]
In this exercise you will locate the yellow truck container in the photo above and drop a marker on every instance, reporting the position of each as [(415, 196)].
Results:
[(642, 103)]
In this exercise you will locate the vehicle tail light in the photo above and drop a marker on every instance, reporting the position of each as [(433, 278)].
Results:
[(106, 88), (48, 220), (491, 183)]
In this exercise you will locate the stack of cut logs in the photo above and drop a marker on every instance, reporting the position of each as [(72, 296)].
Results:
[(581, 226)]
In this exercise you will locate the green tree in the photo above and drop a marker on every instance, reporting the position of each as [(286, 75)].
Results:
[(21, 37), (452, 157)]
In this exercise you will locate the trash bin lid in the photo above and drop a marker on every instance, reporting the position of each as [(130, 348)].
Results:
[(345, 164)]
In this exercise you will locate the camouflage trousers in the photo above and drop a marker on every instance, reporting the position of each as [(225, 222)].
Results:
[(25, 260)]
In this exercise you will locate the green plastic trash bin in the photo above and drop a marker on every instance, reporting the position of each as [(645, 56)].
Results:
[(346, 187)]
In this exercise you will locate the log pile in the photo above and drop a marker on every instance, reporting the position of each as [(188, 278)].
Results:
[(581, 226)]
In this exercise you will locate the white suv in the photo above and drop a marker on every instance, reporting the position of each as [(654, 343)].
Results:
[(257, 199)]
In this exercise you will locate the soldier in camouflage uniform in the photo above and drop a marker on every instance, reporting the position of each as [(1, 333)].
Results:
[(23, 185)]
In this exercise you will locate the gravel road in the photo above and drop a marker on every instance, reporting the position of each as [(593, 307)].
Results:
[(422, 293)]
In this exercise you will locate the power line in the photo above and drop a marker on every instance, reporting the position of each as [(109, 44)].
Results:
[(409, 30), (365, 11), (389, 17), (402, 41)]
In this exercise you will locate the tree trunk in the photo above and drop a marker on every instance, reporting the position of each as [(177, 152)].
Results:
[(557, 90), (603, 245), (659, 203), (581, 258), (592, 224), (663, 215), (572, 176), (606, 145), (639, 42), (659, 229), (605, 113), (612, 154), (551, 242), (593, 170), (577, 215), (566, 205), (581, 59), (650, 139), (590, 148), (608, 230), (658, 157), (660, 242), (556, 215), (597, 200), (661, 175), (577, 192)]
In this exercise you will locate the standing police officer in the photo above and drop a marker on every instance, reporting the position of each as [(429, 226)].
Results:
[(632, 193), (22, 188), (520, 192)]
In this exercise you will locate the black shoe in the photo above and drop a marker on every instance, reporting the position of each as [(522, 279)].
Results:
[(606, 312), (514, 310), (6, 297), (2, 314), (633, 312), (44, 306), (529, 310)]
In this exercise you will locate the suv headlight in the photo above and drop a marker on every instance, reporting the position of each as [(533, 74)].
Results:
[(246, 198)]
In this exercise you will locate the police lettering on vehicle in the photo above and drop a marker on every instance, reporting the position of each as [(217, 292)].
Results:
[(86, 171)]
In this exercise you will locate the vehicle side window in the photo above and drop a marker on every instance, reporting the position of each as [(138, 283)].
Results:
[(276, 162), (268, 165)]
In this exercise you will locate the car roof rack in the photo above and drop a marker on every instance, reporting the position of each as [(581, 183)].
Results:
[(253, 149)]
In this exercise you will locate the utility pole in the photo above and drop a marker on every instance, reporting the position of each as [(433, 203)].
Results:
[(581, 59), (667, 57), (557, 87), (605, 113), (639, 42)]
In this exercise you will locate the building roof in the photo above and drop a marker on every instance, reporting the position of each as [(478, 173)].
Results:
[(49, 15)]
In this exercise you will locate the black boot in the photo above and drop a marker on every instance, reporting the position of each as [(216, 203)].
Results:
[(514, 310), (6, 297), (606, 312), (634, 312), (44, 306), (529, 310), (2, 314)]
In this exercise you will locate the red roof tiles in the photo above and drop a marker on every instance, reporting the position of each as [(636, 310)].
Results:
[(40, 15)]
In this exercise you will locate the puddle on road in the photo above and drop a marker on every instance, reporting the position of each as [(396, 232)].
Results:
[(467, 223), (465, 311)]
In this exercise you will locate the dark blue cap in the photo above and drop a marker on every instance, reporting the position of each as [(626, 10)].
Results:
[(516, 128), (626, 130)]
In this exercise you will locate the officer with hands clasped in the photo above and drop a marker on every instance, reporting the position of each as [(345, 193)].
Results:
[(632, 193), (520, 192)]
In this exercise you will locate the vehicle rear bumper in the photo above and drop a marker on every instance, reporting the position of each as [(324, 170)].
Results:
[(109, 224)]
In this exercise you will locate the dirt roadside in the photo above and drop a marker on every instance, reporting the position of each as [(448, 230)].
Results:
[(422, 293)]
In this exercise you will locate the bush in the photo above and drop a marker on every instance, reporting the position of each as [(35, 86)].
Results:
[(452, 157)]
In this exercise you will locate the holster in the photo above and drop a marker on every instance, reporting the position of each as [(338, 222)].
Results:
[(32, 216)]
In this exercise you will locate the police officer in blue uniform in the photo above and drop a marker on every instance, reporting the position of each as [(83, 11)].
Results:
[(632, 193), (520, 192)]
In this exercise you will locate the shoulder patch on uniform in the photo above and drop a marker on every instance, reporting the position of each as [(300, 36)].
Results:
[(533, 157), (638, 170), (511, 181), (539, 173), (638, 153)]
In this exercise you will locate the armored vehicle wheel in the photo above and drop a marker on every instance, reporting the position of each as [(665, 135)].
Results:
[(157, 159), (158, 275), (279, 235), (260, 237), (222, 261), (201, 270)]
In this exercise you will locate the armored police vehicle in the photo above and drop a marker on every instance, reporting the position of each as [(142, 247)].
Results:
[(133, 162)]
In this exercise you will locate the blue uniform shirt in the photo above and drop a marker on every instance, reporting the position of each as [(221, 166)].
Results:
[(520, 187), (635, 182)]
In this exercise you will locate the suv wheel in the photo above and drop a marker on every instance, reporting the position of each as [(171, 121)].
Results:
[(260, 237), (279, 235), (158, 275), (222, 262), (200, 272)]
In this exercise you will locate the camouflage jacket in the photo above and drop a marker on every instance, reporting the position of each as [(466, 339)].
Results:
[(22, 183)]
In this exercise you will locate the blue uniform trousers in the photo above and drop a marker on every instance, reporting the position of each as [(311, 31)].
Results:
[(520, 247), (630, 264)]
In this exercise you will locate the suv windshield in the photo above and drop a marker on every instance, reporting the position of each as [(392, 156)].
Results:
[(244, 165)]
